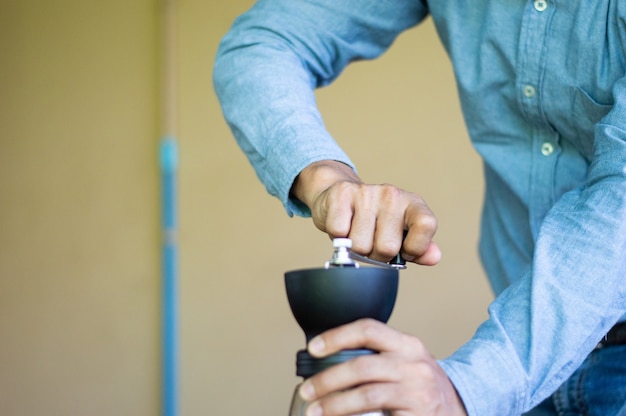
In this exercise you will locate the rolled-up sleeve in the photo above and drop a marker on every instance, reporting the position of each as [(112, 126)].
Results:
[(273, 58)]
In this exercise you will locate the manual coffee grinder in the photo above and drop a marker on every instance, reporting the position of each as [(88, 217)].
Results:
[(340, 292)]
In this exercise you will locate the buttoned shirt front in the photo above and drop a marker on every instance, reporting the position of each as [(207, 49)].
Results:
[(542, 87)]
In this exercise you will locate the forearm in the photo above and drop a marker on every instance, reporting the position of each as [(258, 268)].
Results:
[(272, 59), (543, 326), (268, 102)]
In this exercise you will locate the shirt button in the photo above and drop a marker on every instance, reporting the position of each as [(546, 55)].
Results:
[(547, 149), (529, 91), (540, 5)]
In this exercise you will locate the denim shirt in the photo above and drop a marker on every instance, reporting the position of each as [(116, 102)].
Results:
[(543, 91)]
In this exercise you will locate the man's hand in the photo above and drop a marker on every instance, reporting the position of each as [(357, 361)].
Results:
[(372, 216), (403, 378)]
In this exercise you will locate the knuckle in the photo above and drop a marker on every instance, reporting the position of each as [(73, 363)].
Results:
[(371, 329), (425, 372), (426, 222), (387, 249), (390, 192), (339, 187), (361, 245), (338, 195), (413, 342), (335, 229)]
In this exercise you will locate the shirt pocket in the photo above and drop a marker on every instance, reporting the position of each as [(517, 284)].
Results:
[(587, 112)]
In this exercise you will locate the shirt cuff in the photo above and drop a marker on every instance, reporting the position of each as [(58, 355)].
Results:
[(471, 370)]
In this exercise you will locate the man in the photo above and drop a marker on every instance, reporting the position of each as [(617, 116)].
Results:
[(543, 90)]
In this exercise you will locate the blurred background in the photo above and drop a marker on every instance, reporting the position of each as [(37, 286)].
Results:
[(80, 238)]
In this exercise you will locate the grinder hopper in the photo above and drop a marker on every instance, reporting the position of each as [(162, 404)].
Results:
[(339, 293)]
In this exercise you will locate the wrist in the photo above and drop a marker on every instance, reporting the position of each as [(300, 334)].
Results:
[(319, 176)]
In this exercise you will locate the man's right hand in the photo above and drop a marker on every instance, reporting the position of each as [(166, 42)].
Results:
[(374, 217)]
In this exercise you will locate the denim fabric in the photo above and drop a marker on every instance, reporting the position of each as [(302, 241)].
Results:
[(543, 93), (597, 388)]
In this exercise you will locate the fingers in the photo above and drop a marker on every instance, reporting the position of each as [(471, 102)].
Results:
[(374, 218), (418, 246), (430, 257), (394, 350), (418, 388), (364, 384), (403, 377), (360, 400), (366, 369), (365, 333), (340, 205), (377, 217)]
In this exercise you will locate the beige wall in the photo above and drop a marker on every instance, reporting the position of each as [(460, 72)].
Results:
[(79, 212)]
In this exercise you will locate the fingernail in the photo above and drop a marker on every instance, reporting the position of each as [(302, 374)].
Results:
[(316, 346), (307, 391), (314, 409)]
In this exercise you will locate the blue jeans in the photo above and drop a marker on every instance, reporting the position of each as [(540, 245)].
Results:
[(597, 388)]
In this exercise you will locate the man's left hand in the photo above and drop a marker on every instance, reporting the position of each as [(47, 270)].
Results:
[(404, 378)]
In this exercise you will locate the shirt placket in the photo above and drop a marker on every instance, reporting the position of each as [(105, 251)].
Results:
[(533, 54)]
